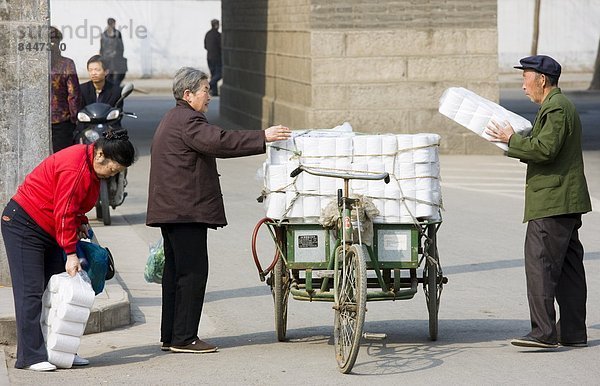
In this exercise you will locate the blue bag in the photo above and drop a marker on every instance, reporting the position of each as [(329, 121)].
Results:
[(95, 260)]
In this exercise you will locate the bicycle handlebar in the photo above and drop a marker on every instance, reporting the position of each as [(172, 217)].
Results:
[(385, 176)]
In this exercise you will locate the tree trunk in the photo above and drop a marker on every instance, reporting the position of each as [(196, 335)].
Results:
[(595, 85), (536, 27)]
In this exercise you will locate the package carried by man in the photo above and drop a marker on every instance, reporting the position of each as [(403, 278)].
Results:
[(475, 112)]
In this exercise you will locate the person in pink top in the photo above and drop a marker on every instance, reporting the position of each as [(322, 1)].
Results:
[(43, 221)]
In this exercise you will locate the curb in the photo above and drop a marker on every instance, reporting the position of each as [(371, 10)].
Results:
[(111, 310)]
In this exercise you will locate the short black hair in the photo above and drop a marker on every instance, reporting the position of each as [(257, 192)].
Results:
[(97, 59)]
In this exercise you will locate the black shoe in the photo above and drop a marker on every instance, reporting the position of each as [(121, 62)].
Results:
[(528, 341), (573, 344), (165, 347), (196, 347)]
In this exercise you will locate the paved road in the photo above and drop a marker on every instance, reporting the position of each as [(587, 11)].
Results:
[(483, 305)]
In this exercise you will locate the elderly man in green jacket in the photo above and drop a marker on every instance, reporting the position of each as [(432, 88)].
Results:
[(556, 195)]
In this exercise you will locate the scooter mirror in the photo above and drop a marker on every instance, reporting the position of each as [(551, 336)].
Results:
[(127, 89)]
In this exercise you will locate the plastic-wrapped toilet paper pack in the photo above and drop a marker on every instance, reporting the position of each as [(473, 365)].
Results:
[(408, 158), (475, 112), (63, 318), (60, 359)]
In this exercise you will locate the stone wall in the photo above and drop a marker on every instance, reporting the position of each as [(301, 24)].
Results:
[(24, 90), (381, 66)]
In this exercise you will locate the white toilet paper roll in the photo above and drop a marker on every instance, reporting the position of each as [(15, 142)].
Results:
[(60, 342), (277, 177), (61, 359), (408, 206), (404, 170), (310, 146), (359, 145), (327, 185), (327, 146), (65, 327), (424, 207), (72, 313), (343, 146), (311, 205), (450, 102), (76, 294), (389, 144), (480, 119), (424, 184), (56, 280), (279, 152), (294, 204), (276, 205), (465, 112)]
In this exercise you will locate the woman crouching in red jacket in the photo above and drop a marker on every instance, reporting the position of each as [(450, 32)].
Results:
[(46, 217)]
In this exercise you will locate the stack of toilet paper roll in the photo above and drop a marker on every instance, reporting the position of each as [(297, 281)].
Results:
[(67, 302), (411, 160), (475, 112)]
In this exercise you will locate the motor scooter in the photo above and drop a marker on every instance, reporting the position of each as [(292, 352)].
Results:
[(94, 119)]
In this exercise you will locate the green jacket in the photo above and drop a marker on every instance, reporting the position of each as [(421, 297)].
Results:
[(555, 179)]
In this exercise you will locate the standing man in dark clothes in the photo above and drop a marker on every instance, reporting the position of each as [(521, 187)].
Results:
[(212, 44), (111, 49)]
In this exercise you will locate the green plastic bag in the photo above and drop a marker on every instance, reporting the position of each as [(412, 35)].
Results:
[(155, 264)]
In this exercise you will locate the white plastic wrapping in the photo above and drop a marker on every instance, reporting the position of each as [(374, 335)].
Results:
[(409, 195), (67, 302), (475, 112)]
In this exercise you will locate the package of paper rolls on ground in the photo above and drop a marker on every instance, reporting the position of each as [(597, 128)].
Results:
[(67, 302), (411, 160)]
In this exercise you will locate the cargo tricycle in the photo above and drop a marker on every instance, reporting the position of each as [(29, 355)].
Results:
[(335, 264)]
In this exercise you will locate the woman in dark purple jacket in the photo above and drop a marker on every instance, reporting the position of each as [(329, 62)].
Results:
[(184, 200)]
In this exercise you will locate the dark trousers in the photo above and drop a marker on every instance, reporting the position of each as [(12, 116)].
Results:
[(554, 269), (116, 78), (62, 135), (33, 257), (216, 68), (184, 281)]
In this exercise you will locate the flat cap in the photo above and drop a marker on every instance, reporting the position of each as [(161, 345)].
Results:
[(542, 64)]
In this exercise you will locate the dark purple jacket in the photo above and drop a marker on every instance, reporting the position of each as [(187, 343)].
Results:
[(184, 182)]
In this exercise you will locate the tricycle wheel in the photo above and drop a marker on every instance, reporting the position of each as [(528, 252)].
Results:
[(350, 304), (432, 284), (281, 291)]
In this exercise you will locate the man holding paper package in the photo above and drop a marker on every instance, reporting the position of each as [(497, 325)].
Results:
[(556, 195)]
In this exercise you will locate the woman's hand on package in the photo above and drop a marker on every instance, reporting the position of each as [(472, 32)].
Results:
[(277, 133), (72, 266), (83, 231)]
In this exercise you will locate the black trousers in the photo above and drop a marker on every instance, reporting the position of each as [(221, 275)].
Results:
[(554, 270), (33, 257), (184, 281), (62, 135), (216, 69)]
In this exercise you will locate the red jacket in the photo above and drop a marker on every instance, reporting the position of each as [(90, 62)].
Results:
[(59, 192)]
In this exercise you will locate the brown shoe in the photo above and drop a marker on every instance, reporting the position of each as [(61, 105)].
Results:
[(196, 347)]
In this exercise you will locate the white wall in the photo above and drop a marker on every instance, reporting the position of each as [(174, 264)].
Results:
[(159, 36), (569, 31)]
